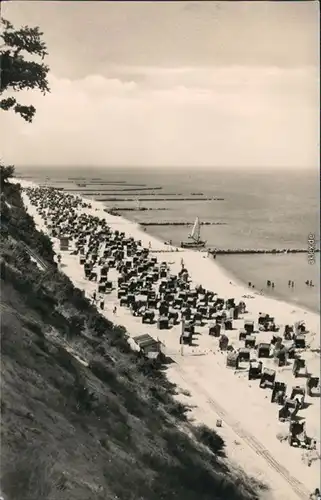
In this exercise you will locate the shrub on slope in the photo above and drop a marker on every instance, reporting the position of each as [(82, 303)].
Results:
[(106, 428)]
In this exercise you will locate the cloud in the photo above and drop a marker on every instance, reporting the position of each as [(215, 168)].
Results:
[(220, 116)]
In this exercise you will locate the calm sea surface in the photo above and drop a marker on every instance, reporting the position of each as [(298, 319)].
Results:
[(261, 209)]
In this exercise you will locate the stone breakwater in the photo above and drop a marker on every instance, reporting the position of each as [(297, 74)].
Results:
[(124, 190), (194, 198), (161, 223), (235, 251), (132, 209)]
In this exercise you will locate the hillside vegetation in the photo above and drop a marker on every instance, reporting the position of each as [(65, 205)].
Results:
[(105, 428)]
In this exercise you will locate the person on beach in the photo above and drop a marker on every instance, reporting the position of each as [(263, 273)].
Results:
[(315, 495), (115, 310)]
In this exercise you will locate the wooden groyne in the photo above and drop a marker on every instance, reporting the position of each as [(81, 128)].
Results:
[(100, 181), (55, 188), (134, 209), (132, 192), (162, 199), (169, 223), (116, 183), (248, 251), (120, 191)]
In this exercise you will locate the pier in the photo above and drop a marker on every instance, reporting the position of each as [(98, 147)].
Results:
[(250, 251)]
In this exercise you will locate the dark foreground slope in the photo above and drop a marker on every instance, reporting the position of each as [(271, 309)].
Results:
[(109, 430)]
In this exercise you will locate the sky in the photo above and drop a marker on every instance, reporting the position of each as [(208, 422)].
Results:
[(171, 84)]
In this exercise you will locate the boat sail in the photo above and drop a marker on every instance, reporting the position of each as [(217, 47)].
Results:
[(196, 231), (195, 236)]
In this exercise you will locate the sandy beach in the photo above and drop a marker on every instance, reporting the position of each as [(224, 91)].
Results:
[(250, 424)]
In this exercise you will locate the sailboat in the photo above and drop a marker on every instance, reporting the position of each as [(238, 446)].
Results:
[(195, 237)]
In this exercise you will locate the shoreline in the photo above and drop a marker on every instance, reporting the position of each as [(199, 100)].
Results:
[(197, 369)]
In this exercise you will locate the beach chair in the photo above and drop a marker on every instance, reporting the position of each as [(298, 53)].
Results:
[(223, 342), (263, 350), (230, 303), (152, 303), (104, 271), (263, 318), (289, 410), (242, 307), (182, 296), (121, 293), (297, 434), (255, 369), (215, 330), (250, 342), (236, 312), (267, 378), (202, 309), (228, 324), (148, 316), (197, 319), (186, 313), (163, 323), (93, 276), (291, 352), (280, 357), (232, 360), (278, 393), (123, 301), (244, 355), (178, 302), (312, 383), (163, 309), (298, 392), (186, 338), (173, 316), (242, 334), (299, 368), (249, 327), (299, 341)]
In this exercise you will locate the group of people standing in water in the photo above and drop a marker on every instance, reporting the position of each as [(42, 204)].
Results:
[(291, 284)]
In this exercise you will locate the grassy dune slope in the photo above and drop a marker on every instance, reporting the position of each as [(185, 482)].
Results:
[(105, 428)]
